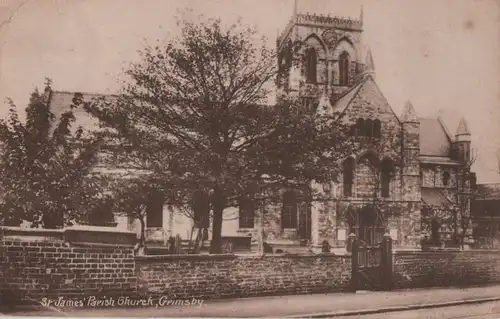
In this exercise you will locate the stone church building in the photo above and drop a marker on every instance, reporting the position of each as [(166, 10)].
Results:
[(404, 164)]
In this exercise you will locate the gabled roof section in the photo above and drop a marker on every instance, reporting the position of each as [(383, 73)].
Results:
[(368, 88), (346, 98), (60, 102), (434, 139)]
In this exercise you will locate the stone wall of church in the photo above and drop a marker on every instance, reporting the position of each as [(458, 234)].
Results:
[(370, 104), (432, 176)]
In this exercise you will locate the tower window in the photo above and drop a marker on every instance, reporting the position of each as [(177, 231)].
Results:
[(247, 212), (446, 178), (289, 210), (311, 65), (344, 69), (348, 177)]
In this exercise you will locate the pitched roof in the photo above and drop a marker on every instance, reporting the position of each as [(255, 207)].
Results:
[(346, 98), (434, 140), (60, 102), (434, 197)]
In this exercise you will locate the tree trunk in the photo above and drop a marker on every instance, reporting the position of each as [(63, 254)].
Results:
[(142, 238), (260, 233), (218, 206)]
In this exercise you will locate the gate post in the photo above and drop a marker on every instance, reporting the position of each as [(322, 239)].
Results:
[(354, 245), (387, 262)]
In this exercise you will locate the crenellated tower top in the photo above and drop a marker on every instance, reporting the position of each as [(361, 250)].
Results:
[(320, 20)]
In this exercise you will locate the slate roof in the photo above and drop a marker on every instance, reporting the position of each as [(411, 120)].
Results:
[(434, 139), (488, 191)]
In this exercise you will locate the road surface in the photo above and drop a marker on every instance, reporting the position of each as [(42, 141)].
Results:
[(489, 310)]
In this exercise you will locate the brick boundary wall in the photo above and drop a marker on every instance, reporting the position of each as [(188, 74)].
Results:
[(446, 268), (44, 265), (227, 276)]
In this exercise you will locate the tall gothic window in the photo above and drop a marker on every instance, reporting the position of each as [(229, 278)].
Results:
[(344, 69), (369, 128), (289, 210), (154, 210), (385, 178), (360, 123), (348, 173), (311, 60), (247, 212)]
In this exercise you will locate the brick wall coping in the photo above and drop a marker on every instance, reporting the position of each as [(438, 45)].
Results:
[(155, 258), (32, 232), (76, 235), (447, 252)]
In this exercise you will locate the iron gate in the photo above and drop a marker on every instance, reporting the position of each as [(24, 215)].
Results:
[(372, 265)]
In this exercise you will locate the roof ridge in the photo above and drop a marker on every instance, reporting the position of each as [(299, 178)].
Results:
[(81, 92), (441, 122)]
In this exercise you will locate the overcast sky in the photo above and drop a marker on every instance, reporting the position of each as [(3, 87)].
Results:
[(443, 55)]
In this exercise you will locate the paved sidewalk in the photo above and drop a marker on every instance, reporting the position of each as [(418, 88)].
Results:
[(319, 305)]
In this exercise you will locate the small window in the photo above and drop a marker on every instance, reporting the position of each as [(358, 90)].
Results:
[(247, 212), (311, 65), (446, 178), (289, 210)]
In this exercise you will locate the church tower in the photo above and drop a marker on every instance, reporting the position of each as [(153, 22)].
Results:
[(319, 56)]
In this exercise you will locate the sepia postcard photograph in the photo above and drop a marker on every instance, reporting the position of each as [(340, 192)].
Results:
[(250, 158)]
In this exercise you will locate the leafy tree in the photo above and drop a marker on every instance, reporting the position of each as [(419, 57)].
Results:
[(193, 114), (45, 166)]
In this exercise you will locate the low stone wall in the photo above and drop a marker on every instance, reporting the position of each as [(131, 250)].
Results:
[(35, 264), (446, 268), (199, 276)]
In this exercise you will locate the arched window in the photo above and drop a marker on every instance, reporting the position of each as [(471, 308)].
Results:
[(289, 210), (247, 212), (446, 178), (311, 65), (376, 128), (369, 128), (344, 69), (385, 178), (348, 172)]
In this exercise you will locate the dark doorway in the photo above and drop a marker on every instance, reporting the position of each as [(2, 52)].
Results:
[(367, 224)]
